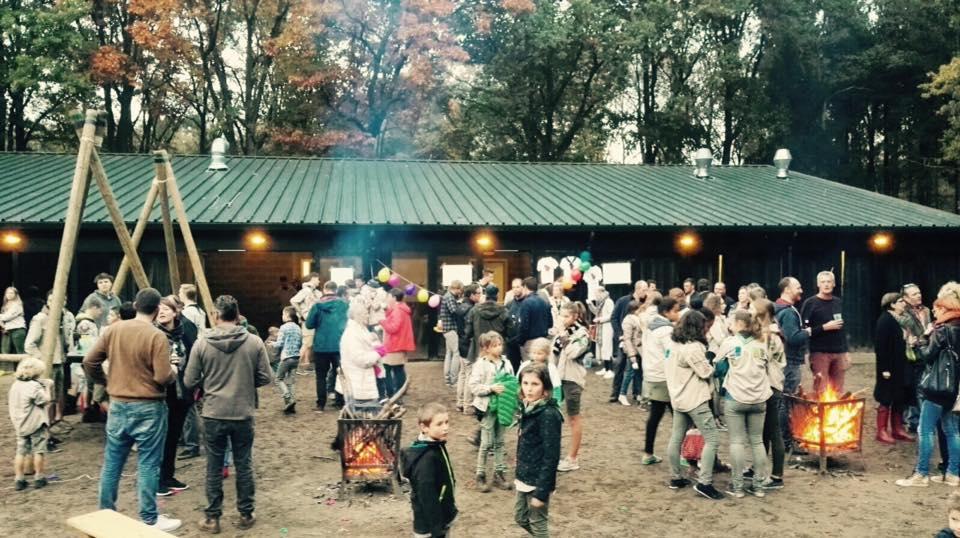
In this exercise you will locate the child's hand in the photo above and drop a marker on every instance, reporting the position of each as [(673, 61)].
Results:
[(497, 389), (536, 503)]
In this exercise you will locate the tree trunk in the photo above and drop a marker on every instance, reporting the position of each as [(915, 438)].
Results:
[(3, 119), (124, 138), (728, 135)]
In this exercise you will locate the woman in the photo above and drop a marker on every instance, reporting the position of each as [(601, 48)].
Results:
[(181, 334), (946, 335), (893, 387), (764, 313), (602, 308), (12, 322), (360, 354), (398, 336), (557, 301)]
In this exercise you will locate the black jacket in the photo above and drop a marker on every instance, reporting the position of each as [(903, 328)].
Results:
[(795, 338), (462, 314), (485, 317), (538, 448), (181, 339), (427, 465), (947, 334), (891, 350), (535, 319)]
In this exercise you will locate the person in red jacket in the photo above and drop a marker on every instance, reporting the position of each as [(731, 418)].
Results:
[(398, 340)]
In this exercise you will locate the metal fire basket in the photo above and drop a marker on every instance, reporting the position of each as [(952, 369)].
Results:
[(369, 450), (813, 425)]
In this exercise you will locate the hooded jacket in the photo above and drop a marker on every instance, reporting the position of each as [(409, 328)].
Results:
[(304, 300), (485, 317), (108, 302), (747, 380), (655, 349), (688, 375), (230, 364), (795, 338), (538, 447), (427, 465), (181, 339), (328, 317), (398, 329), (358, 355)]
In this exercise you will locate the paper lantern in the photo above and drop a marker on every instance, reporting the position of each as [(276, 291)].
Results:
[(585, 266), (585, 256), (394, 280), (434, 301), (567, 284), (422, 296), (410, 290), (576, 275), (383, 275)]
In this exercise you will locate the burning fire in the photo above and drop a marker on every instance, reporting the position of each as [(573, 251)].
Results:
[(841, 422), (364, 457)]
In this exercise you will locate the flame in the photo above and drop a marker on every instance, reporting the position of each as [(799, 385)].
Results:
[(841, 422), (364, 458)]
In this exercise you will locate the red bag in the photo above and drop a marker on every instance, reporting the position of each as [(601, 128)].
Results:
[(692, 445)]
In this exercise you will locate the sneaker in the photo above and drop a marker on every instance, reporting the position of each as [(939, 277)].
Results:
[(748, 474), (772, 483), (500, 481), (948, 479), (678, 483), (601, 371), (166, 524), (40, 482), (175, 485), (290, 408), (567, 464), (756, 492), (608, 374), (623, 400), (915, 480), (211, 525), (246, 521), (482, 484), (20, 485), (708, 491), (188, 454), (736, 493), (164, 491), (651, 459)]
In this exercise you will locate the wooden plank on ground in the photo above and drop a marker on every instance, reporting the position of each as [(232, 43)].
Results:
[(110, 524)]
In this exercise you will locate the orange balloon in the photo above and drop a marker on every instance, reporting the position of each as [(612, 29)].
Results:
[(567, 284)]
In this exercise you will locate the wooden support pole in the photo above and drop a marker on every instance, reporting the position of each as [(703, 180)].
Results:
[(174, 192), (68, 242), (168, 238), (138, 230)]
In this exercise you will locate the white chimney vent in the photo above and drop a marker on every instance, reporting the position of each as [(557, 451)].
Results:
[(218, 154), (703, 159), (781, 159)]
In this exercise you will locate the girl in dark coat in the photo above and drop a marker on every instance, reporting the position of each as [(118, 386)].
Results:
[(892, 390), (181, 334)]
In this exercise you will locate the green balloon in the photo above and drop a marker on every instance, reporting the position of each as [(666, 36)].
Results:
[(585, 256), (585, 266)]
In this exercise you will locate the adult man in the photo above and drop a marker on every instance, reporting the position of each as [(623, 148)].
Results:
[(104, 293), (689, 287), (823, 314), (326, 320), (473, 295), (515, 293), (795, 338), (486, 279), (32, 344), (191, 310), (229, 364), (703, 289), (620, 311), (535, 319), (917, 322), (512, 301), (447, 325), (303, 301), (140, 370), (720, 289)]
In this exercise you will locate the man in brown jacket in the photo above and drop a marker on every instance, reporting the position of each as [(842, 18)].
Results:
[(140, 369)]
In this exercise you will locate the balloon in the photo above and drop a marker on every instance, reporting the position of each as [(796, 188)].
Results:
[(394, 280), (567, 284), (422, 296), (576, 275), (383, 275), (410, 289), (585, 266), (585, 256), (434, 301)]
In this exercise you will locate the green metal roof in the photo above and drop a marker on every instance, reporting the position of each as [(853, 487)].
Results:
[(34, 189)]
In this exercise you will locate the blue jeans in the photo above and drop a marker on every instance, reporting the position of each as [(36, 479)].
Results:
[(930, 414), (631, 375), (144, 423), (396, 377)]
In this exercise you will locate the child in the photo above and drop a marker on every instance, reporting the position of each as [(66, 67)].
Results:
[(538, 449), (28, 401), (272, 352), (953, 518), (427, 465), (747, 389), (631, 341), (540, 354), (763, 310), (688, 375), (570, 345), (490, 364), (289, 340)]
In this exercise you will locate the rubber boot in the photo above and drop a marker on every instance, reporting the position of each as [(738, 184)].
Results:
[(883, 421), (899, 432)]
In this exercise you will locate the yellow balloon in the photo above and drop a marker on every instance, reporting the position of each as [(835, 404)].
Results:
[(567, 284), (423, 296), (383, 275)]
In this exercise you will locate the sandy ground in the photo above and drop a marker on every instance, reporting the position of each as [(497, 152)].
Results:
[(612, 495)]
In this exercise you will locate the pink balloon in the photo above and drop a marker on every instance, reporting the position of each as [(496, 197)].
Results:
[(434, 301), (394, 280), (576, 276)]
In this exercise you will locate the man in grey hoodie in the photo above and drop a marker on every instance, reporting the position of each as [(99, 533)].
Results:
[(229, 364)]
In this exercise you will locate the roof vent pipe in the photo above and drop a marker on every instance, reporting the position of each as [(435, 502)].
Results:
[(703, 159), (218, 154), (781, 159)]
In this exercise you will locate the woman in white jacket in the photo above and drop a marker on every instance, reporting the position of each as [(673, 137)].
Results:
[(360, 355)]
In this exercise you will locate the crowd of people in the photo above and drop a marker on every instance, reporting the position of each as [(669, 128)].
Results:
[(715, 362)]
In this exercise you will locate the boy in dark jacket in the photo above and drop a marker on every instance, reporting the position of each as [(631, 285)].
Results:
[(538, 450), (427, 465)]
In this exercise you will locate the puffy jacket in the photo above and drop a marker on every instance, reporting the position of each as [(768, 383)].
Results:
[(328, 317), (398, 329), (358, 356), (483, 318), (538, 447), (427, 465)]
